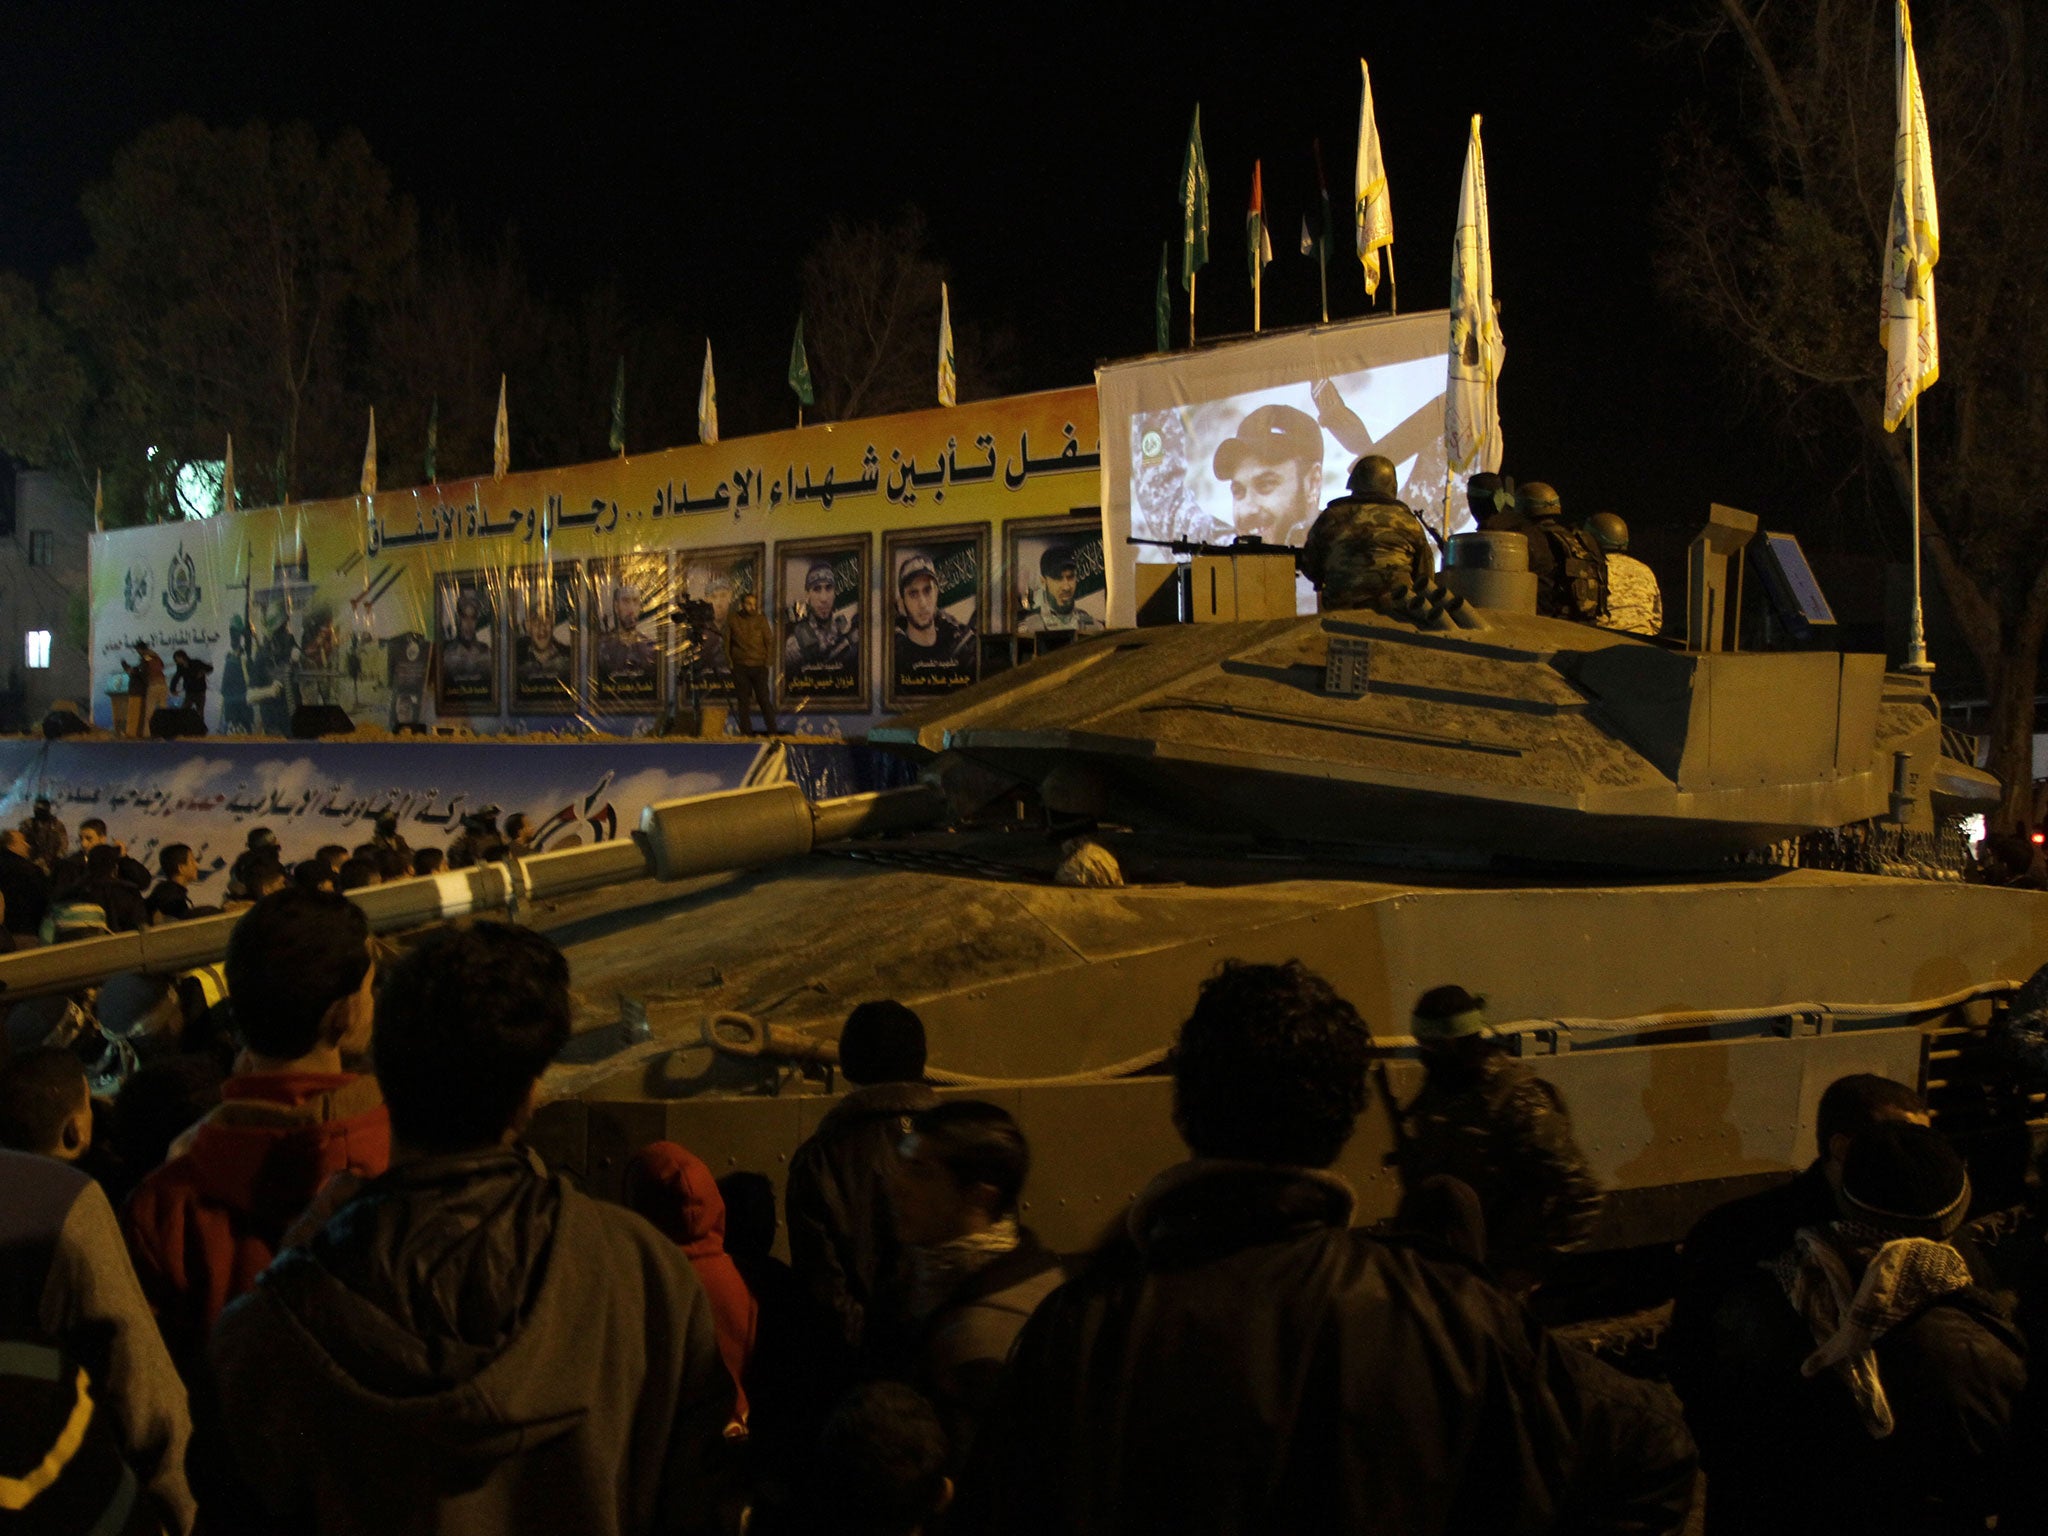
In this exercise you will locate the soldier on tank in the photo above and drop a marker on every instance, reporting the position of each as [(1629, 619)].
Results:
[(1570, 570), (1488, 1121), (1368, 543), (1635, 603)]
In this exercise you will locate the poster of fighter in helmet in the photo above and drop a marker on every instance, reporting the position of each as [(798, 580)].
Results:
[(935, 583), (545, 629), (628, 596), (717, 578), (466, 632), (819, 585), (1056, 582)]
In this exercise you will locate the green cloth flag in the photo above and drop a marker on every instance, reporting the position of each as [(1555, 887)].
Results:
[(433, 439), (619, 409), (1194, 206), (1159, 310), (800, 367)]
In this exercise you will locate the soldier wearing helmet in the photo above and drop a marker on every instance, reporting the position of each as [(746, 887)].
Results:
[(1368, 543), (1570, 570), (1634, 601)]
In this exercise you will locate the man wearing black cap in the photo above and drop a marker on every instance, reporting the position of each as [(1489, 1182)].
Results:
[(1053, 606), (1274, 468), (1484, 1118), (48, 841), (1860, 1381), (931, 651)]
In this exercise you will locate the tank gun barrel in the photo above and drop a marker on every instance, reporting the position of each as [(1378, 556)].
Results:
[(677, 840)]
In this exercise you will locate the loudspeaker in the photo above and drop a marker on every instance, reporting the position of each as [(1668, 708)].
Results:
[(314, 720), (62, 722), (167, 724)]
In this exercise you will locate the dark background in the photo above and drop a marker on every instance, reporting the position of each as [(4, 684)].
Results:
[(696, 153)]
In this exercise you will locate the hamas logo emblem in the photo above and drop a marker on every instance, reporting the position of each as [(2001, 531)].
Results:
[(135, 588), (181, 588)]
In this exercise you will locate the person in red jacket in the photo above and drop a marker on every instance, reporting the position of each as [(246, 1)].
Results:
[(205, 1224), (672, 1188)]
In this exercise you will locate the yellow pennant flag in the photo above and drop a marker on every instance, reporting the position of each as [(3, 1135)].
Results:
[(1912, 247), (368, 484), (949, 382), (501, 437), (1472, 401), (1372, 211), (707, 401)]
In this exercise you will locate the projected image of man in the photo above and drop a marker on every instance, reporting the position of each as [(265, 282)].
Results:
[(1274, 468)]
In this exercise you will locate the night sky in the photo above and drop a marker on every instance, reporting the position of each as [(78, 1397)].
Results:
[(694, 156)]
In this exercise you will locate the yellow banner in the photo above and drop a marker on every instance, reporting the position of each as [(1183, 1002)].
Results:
[(888, 552)]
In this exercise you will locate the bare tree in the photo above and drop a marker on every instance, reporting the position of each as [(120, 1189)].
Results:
[(1776, 213)]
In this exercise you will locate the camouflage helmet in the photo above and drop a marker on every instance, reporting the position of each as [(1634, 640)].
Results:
[(1539, 500), (1608, 531), (1374, 475)]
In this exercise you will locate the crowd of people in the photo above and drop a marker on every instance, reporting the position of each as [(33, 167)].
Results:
[(52, 892), (303, 1273)]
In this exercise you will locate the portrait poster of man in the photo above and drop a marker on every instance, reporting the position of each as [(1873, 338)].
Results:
[(820, 585), (1056, 581), (718, 578), (466, 619), (935, 583), (544, 635), (628, 595)]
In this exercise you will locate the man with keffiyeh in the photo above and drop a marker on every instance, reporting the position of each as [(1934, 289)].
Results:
[(1862, 1381)]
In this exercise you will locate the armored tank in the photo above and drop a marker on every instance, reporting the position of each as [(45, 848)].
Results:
[(1699, 883)]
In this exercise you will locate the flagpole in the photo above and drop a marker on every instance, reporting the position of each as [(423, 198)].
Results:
[(1191, 309), (1916, 640), (1394, 308), (1255, 299), (1323, 269)]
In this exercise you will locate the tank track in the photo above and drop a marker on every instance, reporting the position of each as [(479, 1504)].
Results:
[(1877, 848)]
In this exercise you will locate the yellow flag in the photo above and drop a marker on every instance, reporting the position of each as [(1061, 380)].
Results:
[(707, 401), (1912, 247), (1472, 401), (501, 437), (949, 383), (1370, 208), (368, 485)]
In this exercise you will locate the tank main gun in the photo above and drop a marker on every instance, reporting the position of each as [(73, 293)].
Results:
[(709, 834)]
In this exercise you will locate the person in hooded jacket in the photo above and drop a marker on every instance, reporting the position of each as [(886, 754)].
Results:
[(842, 1240), (204, 1225), (470, 1343), (1240, 1359), (672, 1188)]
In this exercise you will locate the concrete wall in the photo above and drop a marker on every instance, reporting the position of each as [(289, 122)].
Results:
[(47, 597)]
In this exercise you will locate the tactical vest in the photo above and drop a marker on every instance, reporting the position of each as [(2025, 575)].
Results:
[(1578, 587)]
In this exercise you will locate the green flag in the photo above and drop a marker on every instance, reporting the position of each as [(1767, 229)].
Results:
[(800, 366), (1194, 205), (433, 439), (619, 409), (1159, 302)]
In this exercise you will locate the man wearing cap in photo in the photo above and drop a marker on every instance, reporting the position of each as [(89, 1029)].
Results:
[(930, 648), (1274, 468), (1860, 1381), (820, 646), (1053, 606), (1487, 1120)]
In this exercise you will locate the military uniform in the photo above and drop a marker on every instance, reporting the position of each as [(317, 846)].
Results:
[(1569, 567), (1504, 1131), (1634, 601), (1362, 548), (816, 646)]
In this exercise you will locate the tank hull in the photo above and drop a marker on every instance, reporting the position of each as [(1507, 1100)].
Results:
[(1060, 1003)]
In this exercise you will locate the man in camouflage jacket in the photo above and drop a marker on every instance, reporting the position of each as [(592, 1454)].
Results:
[(1368, 543)]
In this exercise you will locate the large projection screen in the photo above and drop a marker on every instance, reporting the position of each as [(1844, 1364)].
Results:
[(1255, 437)]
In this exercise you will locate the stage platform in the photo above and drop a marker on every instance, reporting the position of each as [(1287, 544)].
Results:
[(210, 792)]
